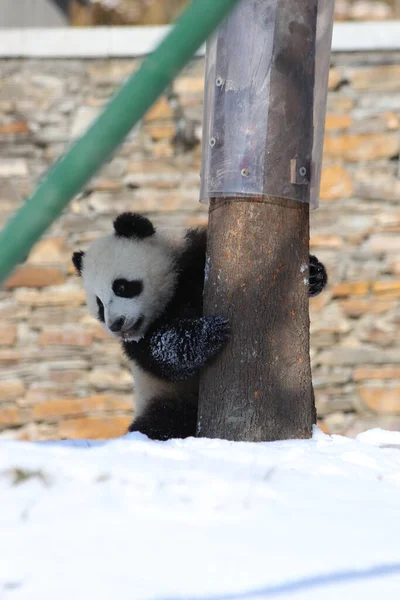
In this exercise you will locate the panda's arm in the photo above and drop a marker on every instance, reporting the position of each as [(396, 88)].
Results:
[(317, 278), (180, 348)]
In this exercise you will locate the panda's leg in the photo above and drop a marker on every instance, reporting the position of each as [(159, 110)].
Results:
[(166, 418), (179, 349), (317, 278)]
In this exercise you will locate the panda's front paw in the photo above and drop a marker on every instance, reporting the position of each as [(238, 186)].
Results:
[(216, 332), (318, 277)]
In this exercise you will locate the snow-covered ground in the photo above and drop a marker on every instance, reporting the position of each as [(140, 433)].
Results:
[(201, 519)]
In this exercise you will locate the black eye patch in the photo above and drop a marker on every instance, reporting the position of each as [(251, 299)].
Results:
[(127, 289), (101, 310)]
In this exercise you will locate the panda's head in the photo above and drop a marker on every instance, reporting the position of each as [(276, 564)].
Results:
[(129, 276)]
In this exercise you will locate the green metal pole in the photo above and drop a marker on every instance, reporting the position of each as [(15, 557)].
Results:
[(127, 107)]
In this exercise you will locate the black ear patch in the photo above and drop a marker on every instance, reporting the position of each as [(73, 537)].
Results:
[(77, 260), (132, 225)]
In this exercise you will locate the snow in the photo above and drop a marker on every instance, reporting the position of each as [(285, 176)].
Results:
[(201, 519)]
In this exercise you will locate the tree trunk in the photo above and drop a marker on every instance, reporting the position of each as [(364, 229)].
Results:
[(396, 9), (259, 388)]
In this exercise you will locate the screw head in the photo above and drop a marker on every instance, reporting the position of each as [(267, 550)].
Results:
[(219, 81), (212, 142), (302, 171), (244, 172)]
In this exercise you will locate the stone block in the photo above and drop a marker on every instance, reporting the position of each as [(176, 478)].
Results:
[(380, 78), (46, 391), (34, 277), (11, 416), (369, 122), (8, 335), (57, 409), (189, 85), (383, 243), (110, 72), (48, 251), (386, 289), (83, 118), (11, 389), (369, 10), (335, 78), (338, 422), (109, 403), (357, 355), (395, 266), (162, 148), (356, 288), (377, 186), (332, 403), (69, 376), (104, 184), (339, 103), (54, 297), (366, 373), (337, 121), (381, 399), (358, 307), (360, 424), (94, 427), (160, 111), (359, 147), (150, 167), (111, 379), (13, 167), (55, 337), (11, 356), (14, 128), (161, 132), (329, 240)]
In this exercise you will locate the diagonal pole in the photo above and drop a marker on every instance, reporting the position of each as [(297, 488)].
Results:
[(128, 106)]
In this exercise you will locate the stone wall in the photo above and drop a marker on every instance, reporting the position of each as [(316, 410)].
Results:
[(150, 12), (59, 375)]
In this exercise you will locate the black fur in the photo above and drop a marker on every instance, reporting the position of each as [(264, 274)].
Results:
[(317, 278), (100, 314), (127, 289), (187, 305), (77, 260), (181, 341), (167, 418), (132, 225), (177, 349)]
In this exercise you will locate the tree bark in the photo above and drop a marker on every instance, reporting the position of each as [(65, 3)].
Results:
[(262, 149), (259, 388)]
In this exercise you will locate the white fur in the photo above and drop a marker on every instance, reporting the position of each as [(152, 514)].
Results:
[(148, 387), (151, 260)]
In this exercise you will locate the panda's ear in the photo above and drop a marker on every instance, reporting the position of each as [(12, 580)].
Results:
[(132, 225), (77, 260)]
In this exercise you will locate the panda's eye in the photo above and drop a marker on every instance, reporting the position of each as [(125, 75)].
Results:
[(100, 306), (127, 289)]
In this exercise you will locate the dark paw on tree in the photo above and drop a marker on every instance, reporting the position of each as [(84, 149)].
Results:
[(318, 277)]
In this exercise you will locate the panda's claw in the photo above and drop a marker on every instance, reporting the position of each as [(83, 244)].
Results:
[(318, 277), (219, 329)]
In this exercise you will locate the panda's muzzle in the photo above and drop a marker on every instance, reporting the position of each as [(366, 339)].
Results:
[(119, 326), (139, 323)]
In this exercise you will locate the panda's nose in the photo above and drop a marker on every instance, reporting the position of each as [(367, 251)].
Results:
[(117, 325)]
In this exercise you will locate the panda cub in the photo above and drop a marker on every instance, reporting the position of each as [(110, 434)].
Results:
[(146, 288)]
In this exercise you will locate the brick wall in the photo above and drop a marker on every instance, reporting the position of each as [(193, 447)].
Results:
[(59, 375)]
